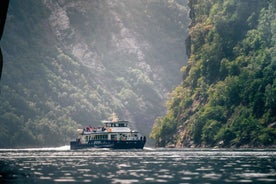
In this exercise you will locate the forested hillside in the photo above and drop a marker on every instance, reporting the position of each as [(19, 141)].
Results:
[(228, 94), (69, 64)]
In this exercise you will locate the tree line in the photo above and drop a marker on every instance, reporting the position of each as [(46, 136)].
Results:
[(228, 94)]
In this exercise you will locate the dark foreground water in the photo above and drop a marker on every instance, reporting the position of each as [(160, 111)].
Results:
[(60, 165)]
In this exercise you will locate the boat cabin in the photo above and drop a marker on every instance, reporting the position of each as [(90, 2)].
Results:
[(109, 124)]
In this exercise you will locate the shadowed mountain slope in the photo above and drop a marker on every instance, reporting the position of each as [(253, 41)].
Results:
[(72, 63)]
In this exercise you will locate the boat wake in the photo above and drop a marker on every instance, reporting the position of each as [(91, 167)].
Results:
[(61, 148), (149, 148)]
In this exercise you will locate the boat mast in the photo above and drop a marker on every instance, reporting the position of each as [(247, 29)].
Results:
[(114, 117)]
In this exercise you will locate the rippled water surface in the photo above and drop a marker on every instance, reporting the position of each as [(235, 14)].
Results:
[(61, 165)]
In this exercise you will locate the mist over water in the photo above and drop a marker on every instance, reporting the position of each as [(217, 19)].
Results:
[(61, 165)]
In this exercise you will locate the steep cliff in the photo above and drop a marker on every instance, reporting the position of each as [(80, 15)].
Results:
[(68, 64), (228, 95)]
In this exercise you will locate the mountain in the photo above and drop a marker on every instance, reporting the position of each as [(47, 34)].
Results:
[(228, 94), (69, 64)]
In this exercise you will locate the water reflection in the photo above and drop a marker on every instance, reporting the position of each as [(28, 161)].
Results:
[(137, 166)]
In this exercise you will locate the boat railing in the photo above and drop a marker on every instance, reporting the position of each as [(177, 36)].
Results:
[(90, 130)]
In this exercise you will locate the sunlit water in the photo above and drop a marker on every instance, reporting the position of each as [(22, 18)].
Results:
[(61, 165)]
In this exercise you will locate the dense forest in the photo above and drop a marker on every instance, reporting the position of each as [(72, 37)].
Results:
[(70, 64), (228, 94)]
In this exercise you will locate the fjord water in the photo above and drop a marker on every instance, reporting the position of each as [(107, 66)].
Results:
[(61, 165)]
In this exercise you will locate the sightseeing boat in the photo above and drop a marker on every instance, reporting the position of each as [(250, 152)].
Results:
[(114, 134)]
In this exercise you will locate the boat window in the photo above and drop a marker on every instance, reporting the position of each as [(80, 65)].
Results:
[(123, 137), (100, 137), (108, 124), (114, 137)]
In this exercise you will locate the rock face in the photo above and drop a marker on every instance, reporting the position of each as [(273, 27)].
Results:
[(227, 97), (71, 62)]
